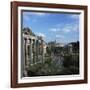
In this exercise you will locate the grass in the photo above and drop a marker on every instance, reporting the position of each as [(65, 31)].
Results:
[(49, 67)]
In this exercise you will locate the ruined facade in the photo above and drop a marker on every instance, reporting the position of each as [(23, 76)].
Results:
[(34, 49)]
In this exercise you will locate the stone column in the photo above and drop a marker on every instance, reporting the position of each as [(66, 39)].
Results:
[(25, 59), (25, 40), (31, 51), (34, 51), (28, 52), (27, 56), (42, 51), (37, 50), (23, 55)]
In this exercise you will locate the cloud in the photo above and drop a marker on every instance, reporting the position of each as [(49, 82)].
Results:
[(73, 27), (66, 28), (41, 34), (74, 16), (34, 20), (26, 17), (76, 28), (59, 36), (59, 25), (34, 13), (55, 29), (39, 14)]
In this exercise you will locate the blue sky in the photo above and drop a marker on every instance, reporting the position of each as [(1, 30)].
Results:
[(61, 27)]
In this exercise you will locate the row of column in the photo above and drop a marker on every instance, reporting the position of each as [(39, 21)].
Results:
[(33, 51)]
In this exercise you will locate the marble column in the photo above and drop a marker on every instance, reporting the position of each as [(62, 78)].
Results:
[(42, 51), (25, 40), (25, 58), (37, 50), (28, 52), (34, 51), (31, 51)]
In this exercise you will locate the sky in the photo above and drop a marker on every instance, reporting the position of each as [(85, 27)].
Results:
[(62, 27)]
